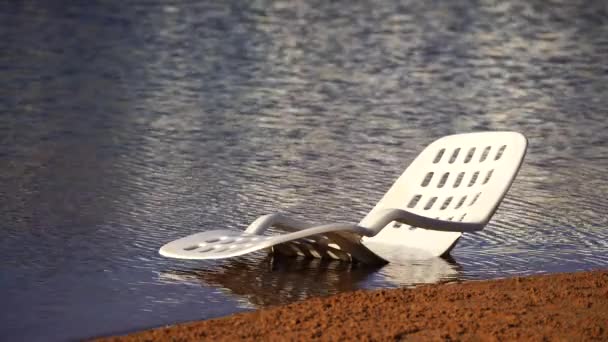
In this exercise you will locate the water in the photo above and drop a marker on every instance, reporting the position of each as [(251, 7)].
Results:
[(124, 126)]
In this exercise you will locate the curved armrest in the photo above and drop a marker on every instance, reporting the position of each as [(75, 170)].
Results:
[(386, 216), (278, 220), (378, 221)]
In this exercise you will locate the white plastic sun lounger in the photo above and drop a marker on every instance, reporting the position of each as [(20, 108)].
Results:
[(454, 186)]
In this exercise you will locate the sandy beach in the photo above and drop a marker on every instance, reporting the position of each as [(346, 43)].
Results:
[(568, 307)]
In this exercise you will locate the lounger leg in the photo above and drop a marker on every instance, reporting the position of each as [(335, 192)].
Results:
[(351, 243)]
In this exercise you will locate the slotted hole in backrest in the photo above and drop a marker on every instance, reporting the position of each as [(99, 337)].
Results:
[(474, 178), (461, 202), (469, 155), (190, 248), (443, 180), (414, 201), (430, 203), (446, 203), (438, 156), (458, 179), (475, 199), (427, 179), (462, 217), (488, 176), (398, 225), (500, 152), (484, 154), (454, 155)]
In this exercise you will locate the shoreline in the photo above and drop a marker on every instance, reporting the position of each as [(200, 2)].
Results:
[(565, 306)]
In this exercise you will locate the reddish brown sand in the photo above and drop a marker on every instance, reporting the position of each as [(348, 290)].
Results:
[(568, 307)]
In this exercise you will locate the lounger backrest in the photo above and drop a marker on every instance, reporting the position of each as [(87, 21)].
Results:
[(460, 177)]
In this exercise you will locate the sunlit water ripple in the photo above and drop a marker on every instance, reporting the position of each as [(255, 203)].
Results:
[(124, 126)]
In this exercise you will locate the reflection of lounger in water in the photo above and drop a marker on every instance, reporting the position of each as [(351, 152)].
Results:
[(455, 185), (279, 280)]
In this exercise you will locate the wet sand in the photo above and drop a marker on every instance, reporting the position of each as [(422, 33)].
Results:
[(572, 307)]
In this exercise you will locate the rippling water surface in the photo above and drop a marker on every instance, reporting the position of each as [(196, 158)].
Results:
[(123, 126)]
